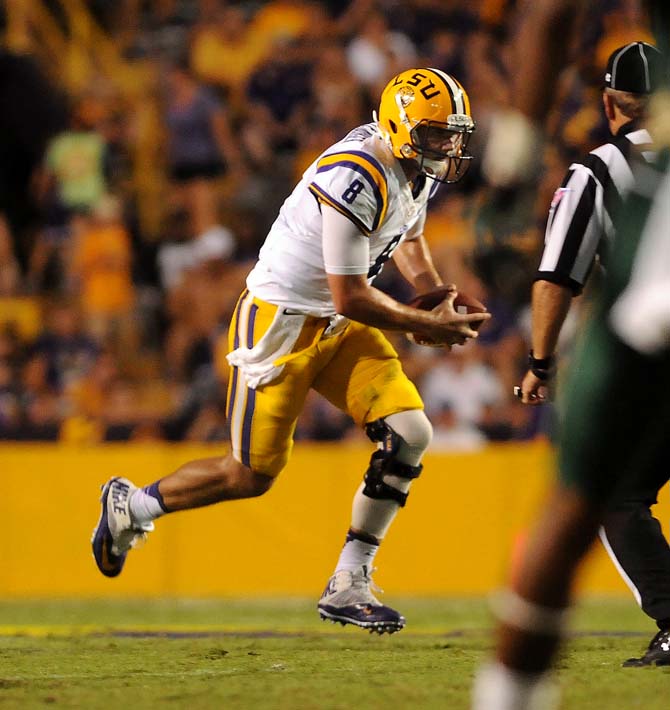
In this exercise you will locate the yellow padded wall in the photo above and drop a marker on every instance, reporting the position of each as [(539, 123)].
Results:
[(464, 516)]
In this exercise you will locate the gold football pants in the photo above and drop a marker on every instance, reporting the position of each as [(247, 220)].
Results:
[(356, 369)]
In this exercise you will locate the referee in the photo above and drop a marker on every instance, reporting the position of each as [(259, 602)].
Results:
[(579, 234)]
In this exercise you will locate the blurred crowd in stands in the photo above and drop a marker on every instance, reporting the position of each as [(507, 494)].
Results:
[(146, 146)]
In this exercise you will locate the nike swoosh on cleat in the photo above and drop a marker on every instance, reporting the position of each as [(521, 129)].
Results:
[(105, 562)]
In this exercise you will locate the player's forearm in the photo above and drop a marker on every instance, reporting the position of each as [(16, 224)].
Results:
[(381, 311), (415, 263), (550, 306), (368, 305)]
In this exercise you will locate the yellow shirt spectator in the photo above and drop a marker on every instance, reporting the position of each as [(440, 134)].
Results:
[(225, 53), (76, 159), (101, 263), (102, 259), (281, 19)]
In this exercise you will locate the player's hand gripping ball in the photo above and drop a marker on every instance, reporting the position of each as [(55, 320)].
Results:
[(462, 304)]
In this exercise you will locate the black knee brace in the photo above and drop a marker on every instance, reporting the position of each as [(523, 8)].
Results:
[(384, 461)]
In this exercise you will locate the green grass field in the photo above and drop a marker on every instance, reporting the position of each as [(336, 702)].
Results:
[(279, 655)]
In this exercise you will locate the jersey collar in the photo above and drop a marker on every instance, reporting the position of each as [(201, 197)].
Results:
[(633, 125)]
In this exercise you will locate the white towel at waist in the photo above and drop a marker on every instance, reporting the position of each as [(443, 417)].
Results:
[(264, 362)]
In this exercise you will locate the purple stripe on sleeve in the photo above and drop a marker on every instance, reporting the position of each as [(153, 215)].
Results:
[(328, 200), (368, 178)]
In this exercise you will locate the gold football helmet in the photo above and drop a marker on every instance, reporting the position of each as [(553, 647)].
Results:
[(424, 115)]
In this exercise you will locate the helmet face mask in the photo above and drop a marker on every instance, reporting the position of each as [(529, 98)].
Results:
[(441, 150), (424, 116)]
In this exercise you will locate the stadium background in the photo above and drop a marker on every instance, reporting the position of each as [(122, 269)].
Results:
[(119, 267)]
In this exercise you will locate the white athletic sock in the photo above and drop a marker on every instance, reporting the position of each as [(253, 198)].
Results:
[(498, 687), (144, 507), (356, 553)]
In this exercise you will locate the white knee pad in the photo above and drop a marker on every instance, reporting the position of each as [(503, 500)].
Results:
[(415, 432)]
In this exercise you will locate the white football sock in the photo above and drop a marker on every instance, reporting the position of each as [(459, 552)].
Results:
[(356, 553), (144, 507), (498, 687)]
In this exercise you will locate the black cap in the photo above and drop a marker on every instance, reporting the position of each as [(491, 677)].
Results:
[(636, 67)]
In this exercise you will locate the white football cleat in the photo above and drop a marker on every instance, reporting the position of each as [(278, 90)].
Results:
[(348, 598), (115, 532)]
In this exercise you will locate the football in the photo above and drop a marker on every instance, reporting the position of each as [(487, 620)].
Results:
[(463, 303)]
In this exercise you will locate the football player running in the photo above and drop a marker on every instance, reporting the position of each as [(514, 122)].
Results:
[(309, 318)]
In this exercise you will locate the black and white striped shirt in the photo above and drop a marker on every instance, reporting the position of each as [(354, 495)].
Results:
[(580, 228)]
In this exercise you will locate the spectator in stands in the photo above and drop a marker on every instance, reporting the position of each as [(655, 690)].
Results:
[(338, 99), (201, 148), (75, 161), (377, 52), (9, 401), (444, 50), (68, 350), (451, 433), (225, 51), (174, 255), (85, 395), (156, 29), (39, 405), (101, 272), (338, 104), (274, 125), (9, 265), (279, 97), (41, 418), (464, 382), (10, 345), (122, 412), (281, 20), (209, 425), (33, 112), (73, 181), (11, 357), (198, 301)]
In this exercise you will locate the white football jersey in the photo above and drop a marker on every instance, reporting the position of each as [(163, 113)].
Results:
[(359, 177)]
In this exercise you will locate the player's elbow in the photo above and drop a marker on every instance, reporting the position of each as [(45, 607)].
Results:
[(352, 305), (348, 297), (345, 306)]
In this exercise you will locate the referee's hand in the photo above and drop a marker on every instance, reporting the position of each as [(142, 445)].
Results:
[(533, 390)]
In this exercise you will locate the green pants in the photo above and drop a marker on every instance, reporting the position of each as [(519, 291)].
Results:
[(615, 429), (615, 432)]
